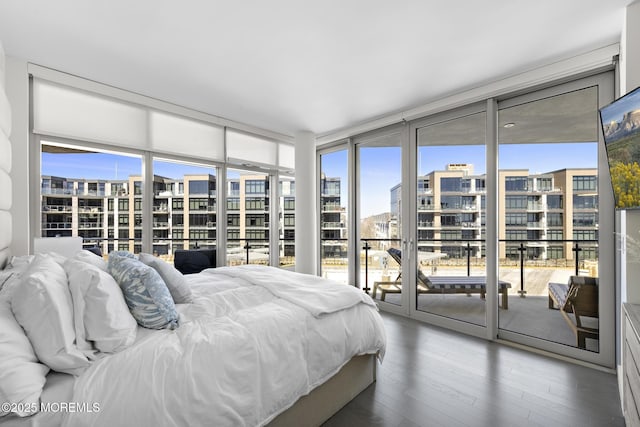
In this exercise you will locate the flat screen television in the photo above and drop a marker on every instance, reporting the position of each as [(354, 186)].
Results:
[(621, 126)]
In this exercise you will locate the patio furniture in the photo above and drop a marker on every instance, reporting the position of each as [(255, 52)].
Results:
[(440, 284), (580, 298)]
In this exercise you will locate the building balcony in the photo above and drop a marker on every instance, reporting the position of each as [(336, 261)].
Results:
[(89, 225), (56, 208), (90, 209), (57, 225)]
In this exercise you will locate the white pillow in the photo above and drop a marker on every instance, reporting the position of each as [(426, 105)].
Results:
[(175, 281), (42, 306), (21, 376), (91, 258), (100, 312), (20, 262)]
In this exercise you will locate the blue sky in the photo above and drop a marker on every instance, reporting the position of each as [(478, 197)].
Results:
[(614, 112), (380, 166)]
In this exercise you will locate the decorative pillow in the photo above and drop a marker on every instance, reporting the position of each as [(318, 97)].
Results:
[(91, 258), (175, 281), (100, 312), (21, 376), (42, 306), (125, 254), (145, 292)]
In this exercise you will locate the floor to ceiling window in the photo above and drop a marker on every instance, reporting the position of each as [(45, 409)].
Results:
[(334, 202), (485, 210), (133, 173), (93, 194), (450, 227), (248, 215), (184, 207), (549, 226), (379, 183)]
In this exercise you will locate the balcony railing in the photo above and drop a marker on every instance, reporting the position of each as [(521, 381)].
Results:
[(466, 255)]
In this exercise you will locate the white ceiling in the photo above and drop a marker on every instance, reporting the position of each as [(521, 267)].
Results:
[(294, 65)]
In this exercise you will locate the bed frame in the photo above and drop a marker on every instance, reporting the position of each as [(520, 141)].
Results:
[(328, 398)]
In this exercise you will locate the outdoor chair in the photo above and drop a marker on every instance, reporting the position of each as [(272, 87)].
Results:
[(575, 300), (440, 284)]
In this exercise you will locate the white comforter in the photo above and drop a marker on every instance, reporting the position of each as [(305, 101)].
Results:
[(243, 353)]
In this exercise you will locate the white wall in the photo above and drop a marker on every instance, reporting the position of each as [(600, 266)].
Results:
[(17, 87)]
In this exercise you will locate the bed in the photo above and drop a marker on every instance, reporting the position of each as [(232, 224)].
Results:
[(251, 343)]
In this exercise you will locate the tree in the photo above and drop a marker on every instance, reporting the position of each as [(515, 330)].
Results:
[(625, 178)]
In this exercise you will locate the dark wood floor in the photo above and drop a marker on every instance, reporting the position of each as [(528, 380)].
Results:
[(435, 377)]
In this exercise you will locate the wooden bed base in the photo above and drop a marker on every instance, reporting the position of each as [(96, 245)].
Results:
[(328, 398)]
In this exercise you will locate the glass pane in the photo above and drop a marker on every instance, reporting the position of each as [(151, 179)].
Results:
[(93, 195), (451, 219), (548, 213), (380, 206), (333, 216), (287, 214), (247, 218), (184, 207)]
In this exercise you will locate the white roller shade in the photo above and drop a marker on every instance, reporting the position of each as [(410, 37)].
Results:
[(245, 148), (63, 111), (173, 134), (286, 156)]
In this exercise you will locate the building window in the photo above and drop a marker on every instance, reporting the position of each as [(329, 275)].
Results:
[(256, 220), (451, 184), (123, 220), (585, 219), (516, 219), (554, 235), (198, 204), (198, 187), (585, 183), (289, 220), (554, 201), (289, 203), (123, 204), (554, 219), (177, 204), (516, 183), (233, 220), (233, 204), (256, 186), (585, 201), (515, 202), (255, 204)]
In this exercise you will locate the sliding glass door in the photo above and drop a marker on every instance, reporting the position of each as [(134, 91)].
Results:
[(450, 217), (555, 218), (470, 218), (380, 208)]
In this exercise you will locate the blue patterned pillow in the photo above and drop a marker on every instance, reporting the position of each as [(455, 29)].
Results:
[(145, 292)]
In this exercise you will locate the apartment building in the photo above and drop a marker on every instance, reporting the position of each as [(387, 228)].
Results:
[(108, 213), (544, 215), (332, 219)]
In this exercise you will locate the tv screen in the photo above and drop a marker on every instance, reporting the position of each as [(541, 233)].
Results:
[(621, 127)]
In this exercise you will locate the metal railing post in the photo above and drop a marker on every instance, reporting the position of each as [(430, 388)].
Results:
[(366, 266), (522, 249), (577, 250)]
